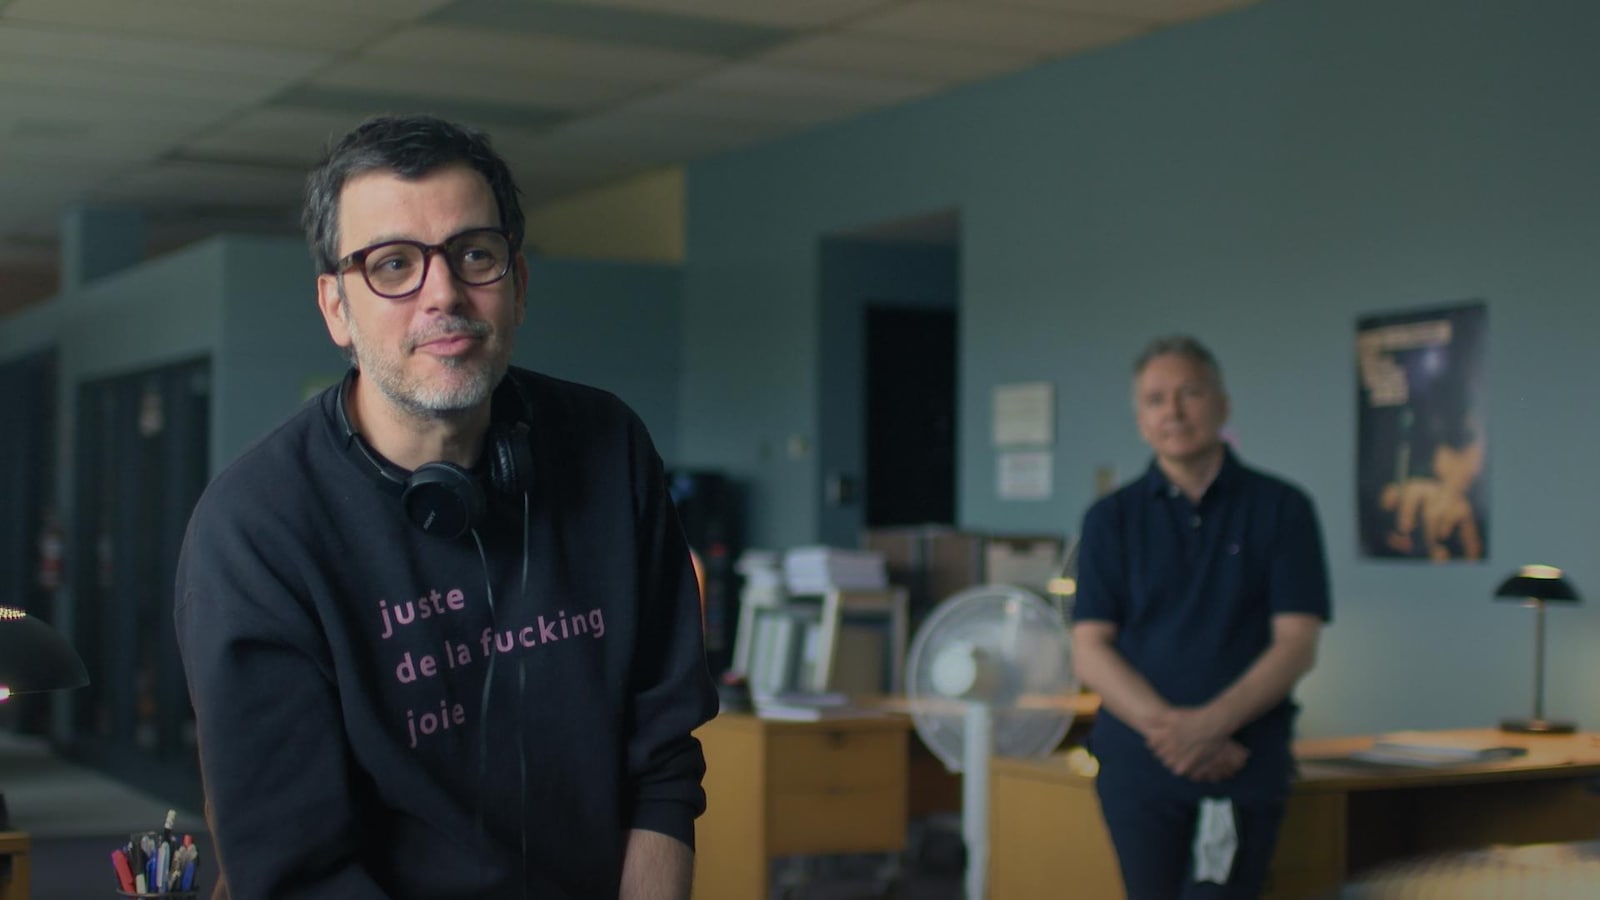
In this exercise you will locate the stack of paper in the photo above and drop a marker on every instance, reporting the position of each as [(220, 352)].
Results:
[(1421, 748), (804, 707), (817, 570), (763, 577)]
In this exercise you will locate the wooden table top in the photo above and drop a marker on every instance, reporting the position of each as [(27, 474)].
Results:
[(1325, 767)]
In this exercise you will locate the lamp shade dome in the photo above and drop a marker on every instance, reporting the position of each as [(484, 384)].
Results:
[(1546, 583), (35, 657)]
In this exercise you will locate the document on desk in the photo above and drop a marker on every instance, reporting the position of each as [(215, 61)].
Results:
[(1421, 748), (811, 707)]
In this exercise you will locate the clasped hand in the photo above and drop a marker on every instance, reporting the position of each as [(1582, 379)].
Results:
[(1192, 746)]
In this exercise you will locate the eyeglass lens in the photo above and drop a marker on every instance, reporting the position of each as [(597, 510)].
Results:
[(476, 258)]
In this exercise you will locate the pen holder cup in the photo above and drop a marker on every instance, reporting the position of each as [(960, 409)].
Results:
[(169, 895)]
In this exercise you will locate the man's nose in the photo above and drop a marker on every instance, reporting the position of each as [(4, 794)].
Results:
[(439, 289)]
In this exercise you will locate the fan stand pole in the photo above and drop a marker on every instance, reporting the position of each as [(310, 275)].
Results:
[(978, 748)]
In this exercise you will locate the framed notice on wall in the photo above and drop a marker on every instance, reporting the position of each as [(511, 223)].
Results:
[(1024, 414), (1422, 434)]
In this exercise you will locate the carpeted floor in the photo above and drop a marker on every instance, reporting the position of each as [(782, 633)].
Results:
[(77, 816)]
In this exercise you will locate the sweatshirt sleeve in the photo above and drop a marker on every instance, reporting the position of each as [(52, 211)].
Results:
[(672, 689), (276, 774)]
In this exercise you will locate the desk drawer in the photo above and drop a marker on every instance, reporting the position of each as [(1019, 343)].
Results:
[(1312, 835), (838, 760), (836, 821)]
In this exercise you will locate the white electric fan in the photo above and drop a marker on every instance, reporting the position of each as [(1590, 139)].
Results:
[(989, 674)]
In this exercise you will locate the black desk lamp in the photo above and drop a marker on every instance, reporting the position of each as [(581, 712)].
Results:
[(1535, 586), (34, 657)]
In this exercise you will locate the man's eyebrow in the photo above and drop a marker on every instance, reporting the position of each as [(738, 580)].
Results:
[(397, 236)]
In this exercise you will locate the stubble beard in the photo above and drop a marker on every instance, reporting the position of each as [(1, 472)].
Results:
[(473, 378)]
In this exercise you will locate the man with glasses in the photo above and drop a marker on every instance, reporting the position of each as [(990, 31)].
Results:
[(440, 628)]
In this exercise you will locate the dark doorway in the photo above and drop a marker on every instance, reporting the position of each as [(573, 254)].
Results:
[(910, 416), (30, 527), (143, 459)]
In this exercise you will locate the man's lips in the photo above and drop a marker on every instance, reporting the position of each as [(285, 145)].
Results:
[(448, 343)]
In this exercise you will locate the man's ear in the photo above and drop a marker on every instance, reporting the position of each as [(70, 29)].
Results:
[(331, 303)]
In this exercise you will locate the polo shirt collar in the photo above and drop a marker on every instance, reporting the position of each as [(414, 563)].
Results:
[(1156, 482)]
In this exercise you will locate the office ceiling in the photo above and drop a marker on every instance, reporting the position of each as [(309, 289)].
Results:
[(205, 114)]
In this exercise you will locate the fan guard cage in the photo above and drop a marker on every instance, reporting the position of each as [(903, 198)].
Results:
[(1027, 640)]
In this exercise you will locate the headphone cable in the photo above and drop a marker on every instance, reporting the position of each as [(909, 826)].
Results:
[(488, 679), (522, 718)]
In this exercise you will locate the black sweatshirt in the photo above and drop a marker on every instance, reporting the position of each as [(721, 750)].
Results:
[(385, 713)]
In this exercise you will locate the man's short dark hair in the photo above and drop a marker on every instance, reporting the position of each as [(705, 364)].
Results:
[(1178, 345), (411, 147)]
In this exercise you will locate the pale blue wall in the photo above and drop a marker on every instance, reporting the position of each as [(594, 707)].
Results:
[(1261, 179), (852, 275), (612, 325), (273, 347)]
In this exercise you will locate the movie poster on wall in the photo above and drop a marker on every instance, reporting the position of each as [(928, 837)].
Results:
[(1422, 434)]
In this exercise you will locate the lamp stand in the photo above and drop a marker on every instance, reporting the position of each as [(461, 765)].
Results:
[(1538, 724)]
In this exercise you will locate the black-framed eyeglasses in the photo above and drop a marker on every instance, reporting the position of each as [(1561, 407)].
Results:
[(393, 269)]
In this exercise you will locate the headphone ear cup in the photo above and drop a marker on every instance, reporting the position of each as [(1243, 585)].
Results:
[(443, 499), (511, 461)]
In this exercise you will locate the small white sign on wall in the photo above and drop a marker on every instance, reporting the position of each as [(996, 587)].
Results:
[(1026, 475), (1024, 414)]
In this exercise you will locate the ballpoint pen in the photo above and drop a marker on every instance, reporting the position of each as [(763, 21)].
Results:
[(163, 866)]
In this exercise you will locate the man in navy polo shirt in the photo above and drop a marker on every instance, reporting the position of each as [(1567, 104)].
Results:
[(1202, 589)]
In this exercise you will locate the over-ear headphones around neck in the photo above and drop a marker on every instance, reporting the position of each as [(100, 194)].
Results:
[(442, 498)]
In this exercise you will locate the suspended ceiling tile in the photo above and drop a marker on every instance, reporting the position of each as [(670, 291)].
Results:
[(612, 25), (1168, 11), (535, 154), (542, 187), (994, 25), (240, 23), (170, 85), (184, 182), (779, 13), (858, 53), (697, 103), (18, 166), (645, 134), (196, 57), (484, 114), (475, 84), (785, 82), (392, 9), (538, 54), (284, 133), (30, 202), (112, 118), (49, 147)]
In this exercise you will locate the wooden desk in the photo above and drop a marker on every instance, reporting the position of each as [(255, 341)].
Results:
[(934, 788), (779, 788), (15, 846), (1046, 830)]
